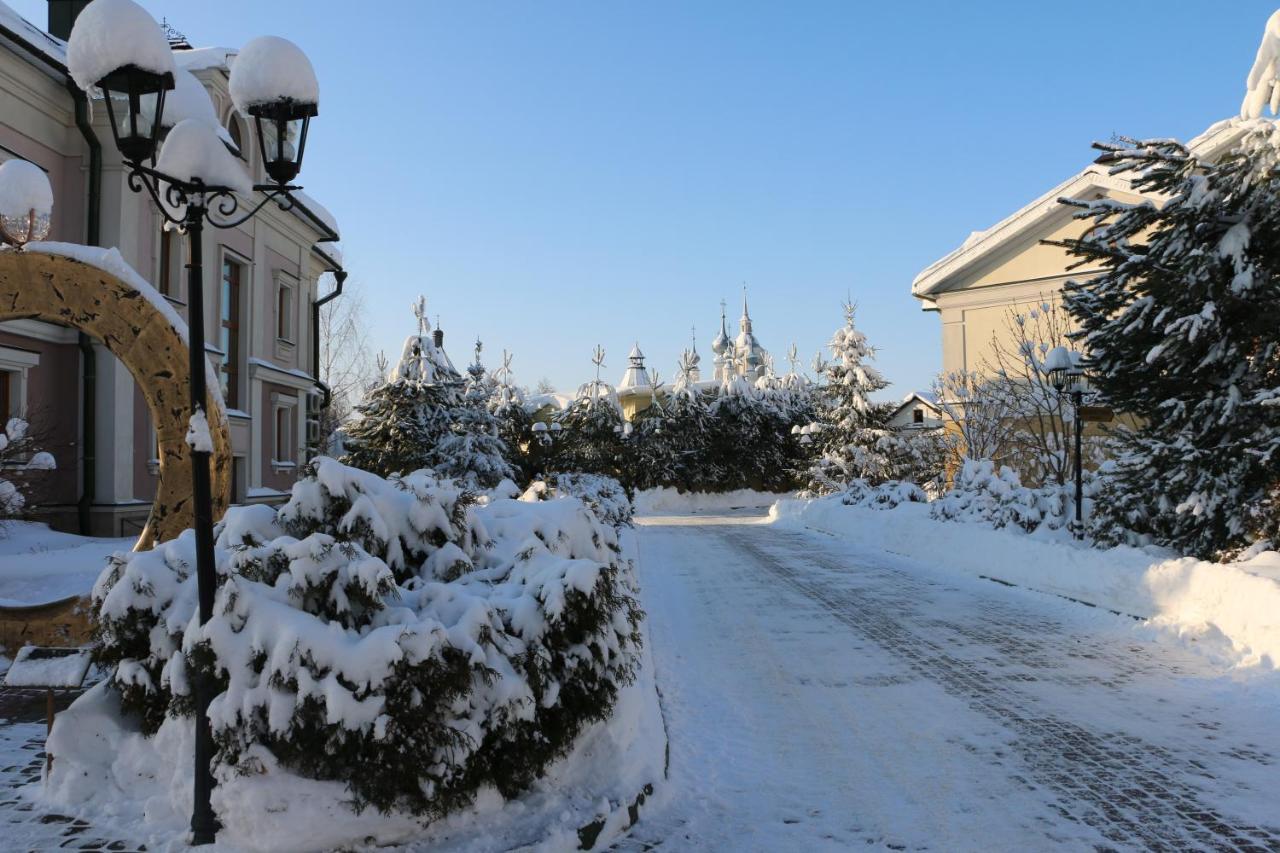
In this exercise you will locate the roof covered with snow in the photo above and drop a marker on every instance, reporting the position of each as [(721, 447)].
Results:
[(980, 245)]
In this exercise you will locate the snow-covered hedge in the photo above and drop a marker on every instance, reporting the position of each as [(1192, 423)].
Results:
[(883, 496), (390, 634), (603, 495), (995, 496)]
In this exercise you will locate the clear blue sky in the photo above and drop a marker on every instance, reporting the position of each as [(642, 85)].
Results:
[(556, 175)]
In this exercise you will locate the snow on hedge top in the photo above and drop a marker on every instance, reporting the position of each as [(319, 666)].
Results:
[(193, 151), (1263, 86), (269, 68), (110, 34), (24, 187)]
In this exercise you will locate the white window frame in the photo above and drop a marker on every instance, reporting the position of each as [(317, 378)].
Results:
[(19, 362), (284, 403), (288, 334)]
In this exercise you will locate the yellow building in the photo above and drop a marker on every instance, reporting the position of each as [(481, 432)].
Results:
[(1009, 267)]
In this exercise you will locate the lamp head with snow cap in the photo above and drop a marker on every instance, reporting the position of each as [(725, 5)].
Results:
[(26, 203), (116, 46), (1062, 366), (273, 83)]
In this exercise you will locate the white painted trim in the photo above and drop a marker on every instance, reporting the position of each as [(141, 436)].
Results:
[(40, 331)]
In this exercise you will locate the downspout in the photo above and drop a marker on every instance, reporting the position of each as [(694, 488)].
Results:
[(89, 399), (340, 276)]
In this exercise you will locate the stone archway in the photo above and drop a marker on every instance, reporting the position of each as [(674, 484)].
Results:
[(150, 340)]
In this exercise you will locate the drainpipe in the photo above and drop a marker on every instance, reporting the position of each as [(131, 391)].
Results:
[(339, 275), (89, 399)]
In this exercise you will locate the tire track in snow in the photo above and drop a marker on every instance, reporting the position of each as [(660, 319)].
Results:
[(1135, 793)]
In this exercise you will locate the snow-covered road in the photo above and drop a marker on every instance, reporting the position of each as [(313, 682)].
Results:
[(821, 696)]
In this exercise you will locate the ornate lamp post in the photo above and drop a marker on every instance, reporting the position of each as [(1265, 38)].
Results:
[(1063, 369), (118, 48)]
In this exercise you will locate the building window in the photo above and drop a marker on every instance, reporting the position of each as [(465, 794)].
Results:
[(15, 364), (7, 383), (284, 312), (232, 277), (237, 479), (917, 416), (282, 454), (165, 279), (237, 136)]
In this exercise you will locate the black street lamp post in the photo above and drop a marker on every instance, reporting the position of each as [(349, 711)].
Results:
[(1064, 370), (135, 103)]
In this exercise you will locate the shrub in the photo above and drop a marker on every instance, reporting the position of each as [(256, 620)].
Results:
[(390, 634)]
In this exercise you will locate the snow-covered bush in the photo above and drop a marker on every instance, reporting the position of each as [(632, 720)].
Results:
[(21, 464), (886, 495), (390, 634), (604, 495), (993, 495)]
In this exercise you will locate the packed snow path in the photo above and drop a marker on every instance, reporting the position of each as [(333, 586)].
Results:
[(820, 696)]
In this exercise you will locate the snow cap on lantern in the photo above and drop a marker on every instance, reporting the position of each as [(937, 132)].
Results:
[(112, 34), (269, 69), (273, 82), (26, 202), (1059, 358), (117, 47), (193, 152)]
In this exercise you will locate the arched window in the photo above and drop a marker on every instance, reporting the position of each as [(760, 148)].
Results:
[(237, 135)]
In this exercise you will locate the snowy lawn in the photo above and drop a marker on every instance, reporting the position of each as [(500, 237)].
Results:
[(39, 565), (823, 694), (1238, 603)]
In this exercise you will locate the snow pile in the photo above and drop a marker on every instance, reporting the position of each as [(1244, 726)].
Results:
[(24, 188), (995, 496), (388, 636), (668, 500), (39, 565), (269, 68), (193, 152), (1239, 601), (110, 34)]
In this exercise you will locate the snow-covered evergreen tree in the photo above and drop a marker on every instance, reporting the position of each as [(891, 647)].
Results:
[(515, 423), (1180, 332), (391, 635), (425, 415), (750, 442), (689, 431), (591, 436), (852, 440)]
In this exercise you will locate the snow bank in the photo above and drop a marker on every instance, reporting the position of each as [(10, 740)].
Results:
[(667, 499), (39, 565), (1240, 601)]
